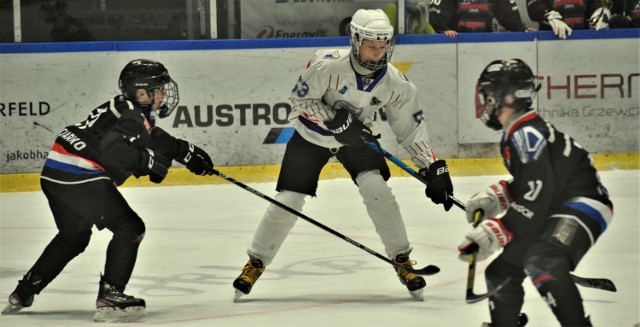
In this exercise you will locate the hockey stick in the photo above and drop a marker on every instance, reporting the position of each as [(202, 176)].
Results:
[(406, 168), (428, 270), (471, 274), (599, 283)]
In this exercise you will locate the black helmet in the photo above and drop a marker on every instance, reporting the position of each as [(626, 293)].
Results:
[(149, 75), (504, 83)]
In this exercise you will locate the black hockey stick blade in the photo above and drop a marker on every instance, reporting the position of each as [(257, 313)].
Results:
[(599, 283), (426, 271)]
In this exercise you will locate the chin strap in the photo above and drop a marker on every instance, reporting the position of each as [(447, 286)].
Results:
[(355, 64)]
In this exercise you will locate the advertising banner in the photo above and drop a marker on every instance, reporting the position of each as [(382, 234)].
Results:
[(234, 102), (296, 18), (592, 95)]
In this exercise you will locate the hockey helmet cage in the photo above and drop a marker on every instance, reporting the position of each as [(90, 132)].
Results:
[(149, 75), (504, 83), (371, 24)]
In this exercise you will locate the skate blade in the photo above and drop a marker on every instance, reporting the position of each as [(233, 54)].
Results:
[(11, 309), (130, 314), (237, 296), (417, 295)]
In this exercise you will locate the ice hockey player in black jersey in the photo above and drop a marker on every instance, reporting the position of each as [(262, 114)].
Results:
[(547, 216), (87, 162)]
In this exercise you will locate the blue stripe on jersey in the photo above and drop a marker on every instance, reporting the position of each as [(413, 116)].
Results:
[(379, 75), (590, 212), (310, 125), (57, 165), (285, 135)]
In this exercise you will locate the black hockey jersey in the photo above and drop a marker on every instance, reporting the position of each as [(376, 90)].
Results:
[(625, 14), (575, 13), (474, 15), (549, 170), (106, 145)]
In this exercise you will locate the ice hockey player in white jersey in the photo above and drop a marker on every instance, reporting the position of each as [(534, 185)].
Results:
[(333, 104)]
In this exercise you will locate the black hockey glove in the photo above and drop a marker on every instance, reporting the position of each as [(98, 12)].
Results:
[(196, 159), (154, 165), (348, 130), (439, 186)]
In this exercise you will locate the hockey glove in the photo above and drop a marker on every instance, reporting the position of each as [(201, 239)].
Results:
[(194, 158), (487, 238), (620, 21), (600, 19), (439, 186), (559, 27), (154, 165), (348, 130), (493, 201)]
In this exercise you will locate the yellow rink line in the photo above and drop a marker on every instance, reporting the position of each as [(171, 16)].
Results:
[(257, 174)]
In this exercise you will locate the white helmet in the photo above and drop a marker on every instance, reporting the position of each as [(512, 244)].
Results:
[(371, 24)]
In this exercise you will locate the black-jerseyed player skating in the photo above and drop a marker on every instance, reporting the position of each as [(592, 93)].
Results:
[(87, 162), (548, 216)]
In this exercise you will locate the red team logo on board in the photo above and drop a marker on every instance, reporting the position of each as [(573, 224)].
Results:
[(266, 32)]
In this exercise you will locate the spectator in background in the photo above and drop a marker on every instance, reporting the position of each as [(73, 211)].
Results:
[(417, 17), (616, 14), (65, 28), (176, 29), (453, 16), (560, 16)]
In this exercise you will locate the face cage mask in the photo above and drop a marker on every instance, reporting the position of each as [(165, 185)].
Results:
[(171, 99), (368, 64), (489, 110)]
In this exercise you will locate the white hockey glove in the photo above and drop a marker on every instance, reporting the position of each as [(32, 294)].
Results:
[(494, 201), (487, 238), (600, 19), (559, 27)]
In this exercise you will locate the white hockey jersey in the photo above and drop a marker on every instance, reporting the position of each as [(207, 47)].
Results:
[(330, 83)]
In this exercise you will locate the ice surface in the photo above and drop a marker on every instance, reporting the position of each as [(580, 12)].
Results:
[(197, 238)]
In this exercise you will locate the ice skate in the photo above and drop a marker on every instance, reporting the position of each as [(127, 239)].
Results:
[(414, 283), (113, 305), (250, 274), (522, 321), (22, 296), (16, 303)]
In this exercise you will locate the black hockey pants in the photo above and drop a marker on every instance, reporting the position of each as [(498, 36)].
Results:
[(76, 208)]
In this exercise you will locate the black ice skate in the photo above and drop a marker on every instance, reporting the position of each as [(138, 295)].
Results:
[(16, 303), (250, 274), (23, 295), (113, 305), (522, 321), (415, 284)]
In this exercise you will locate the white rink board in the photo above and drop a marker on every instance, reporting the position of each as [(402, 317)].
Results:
[(232, 99), (593, 95)]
